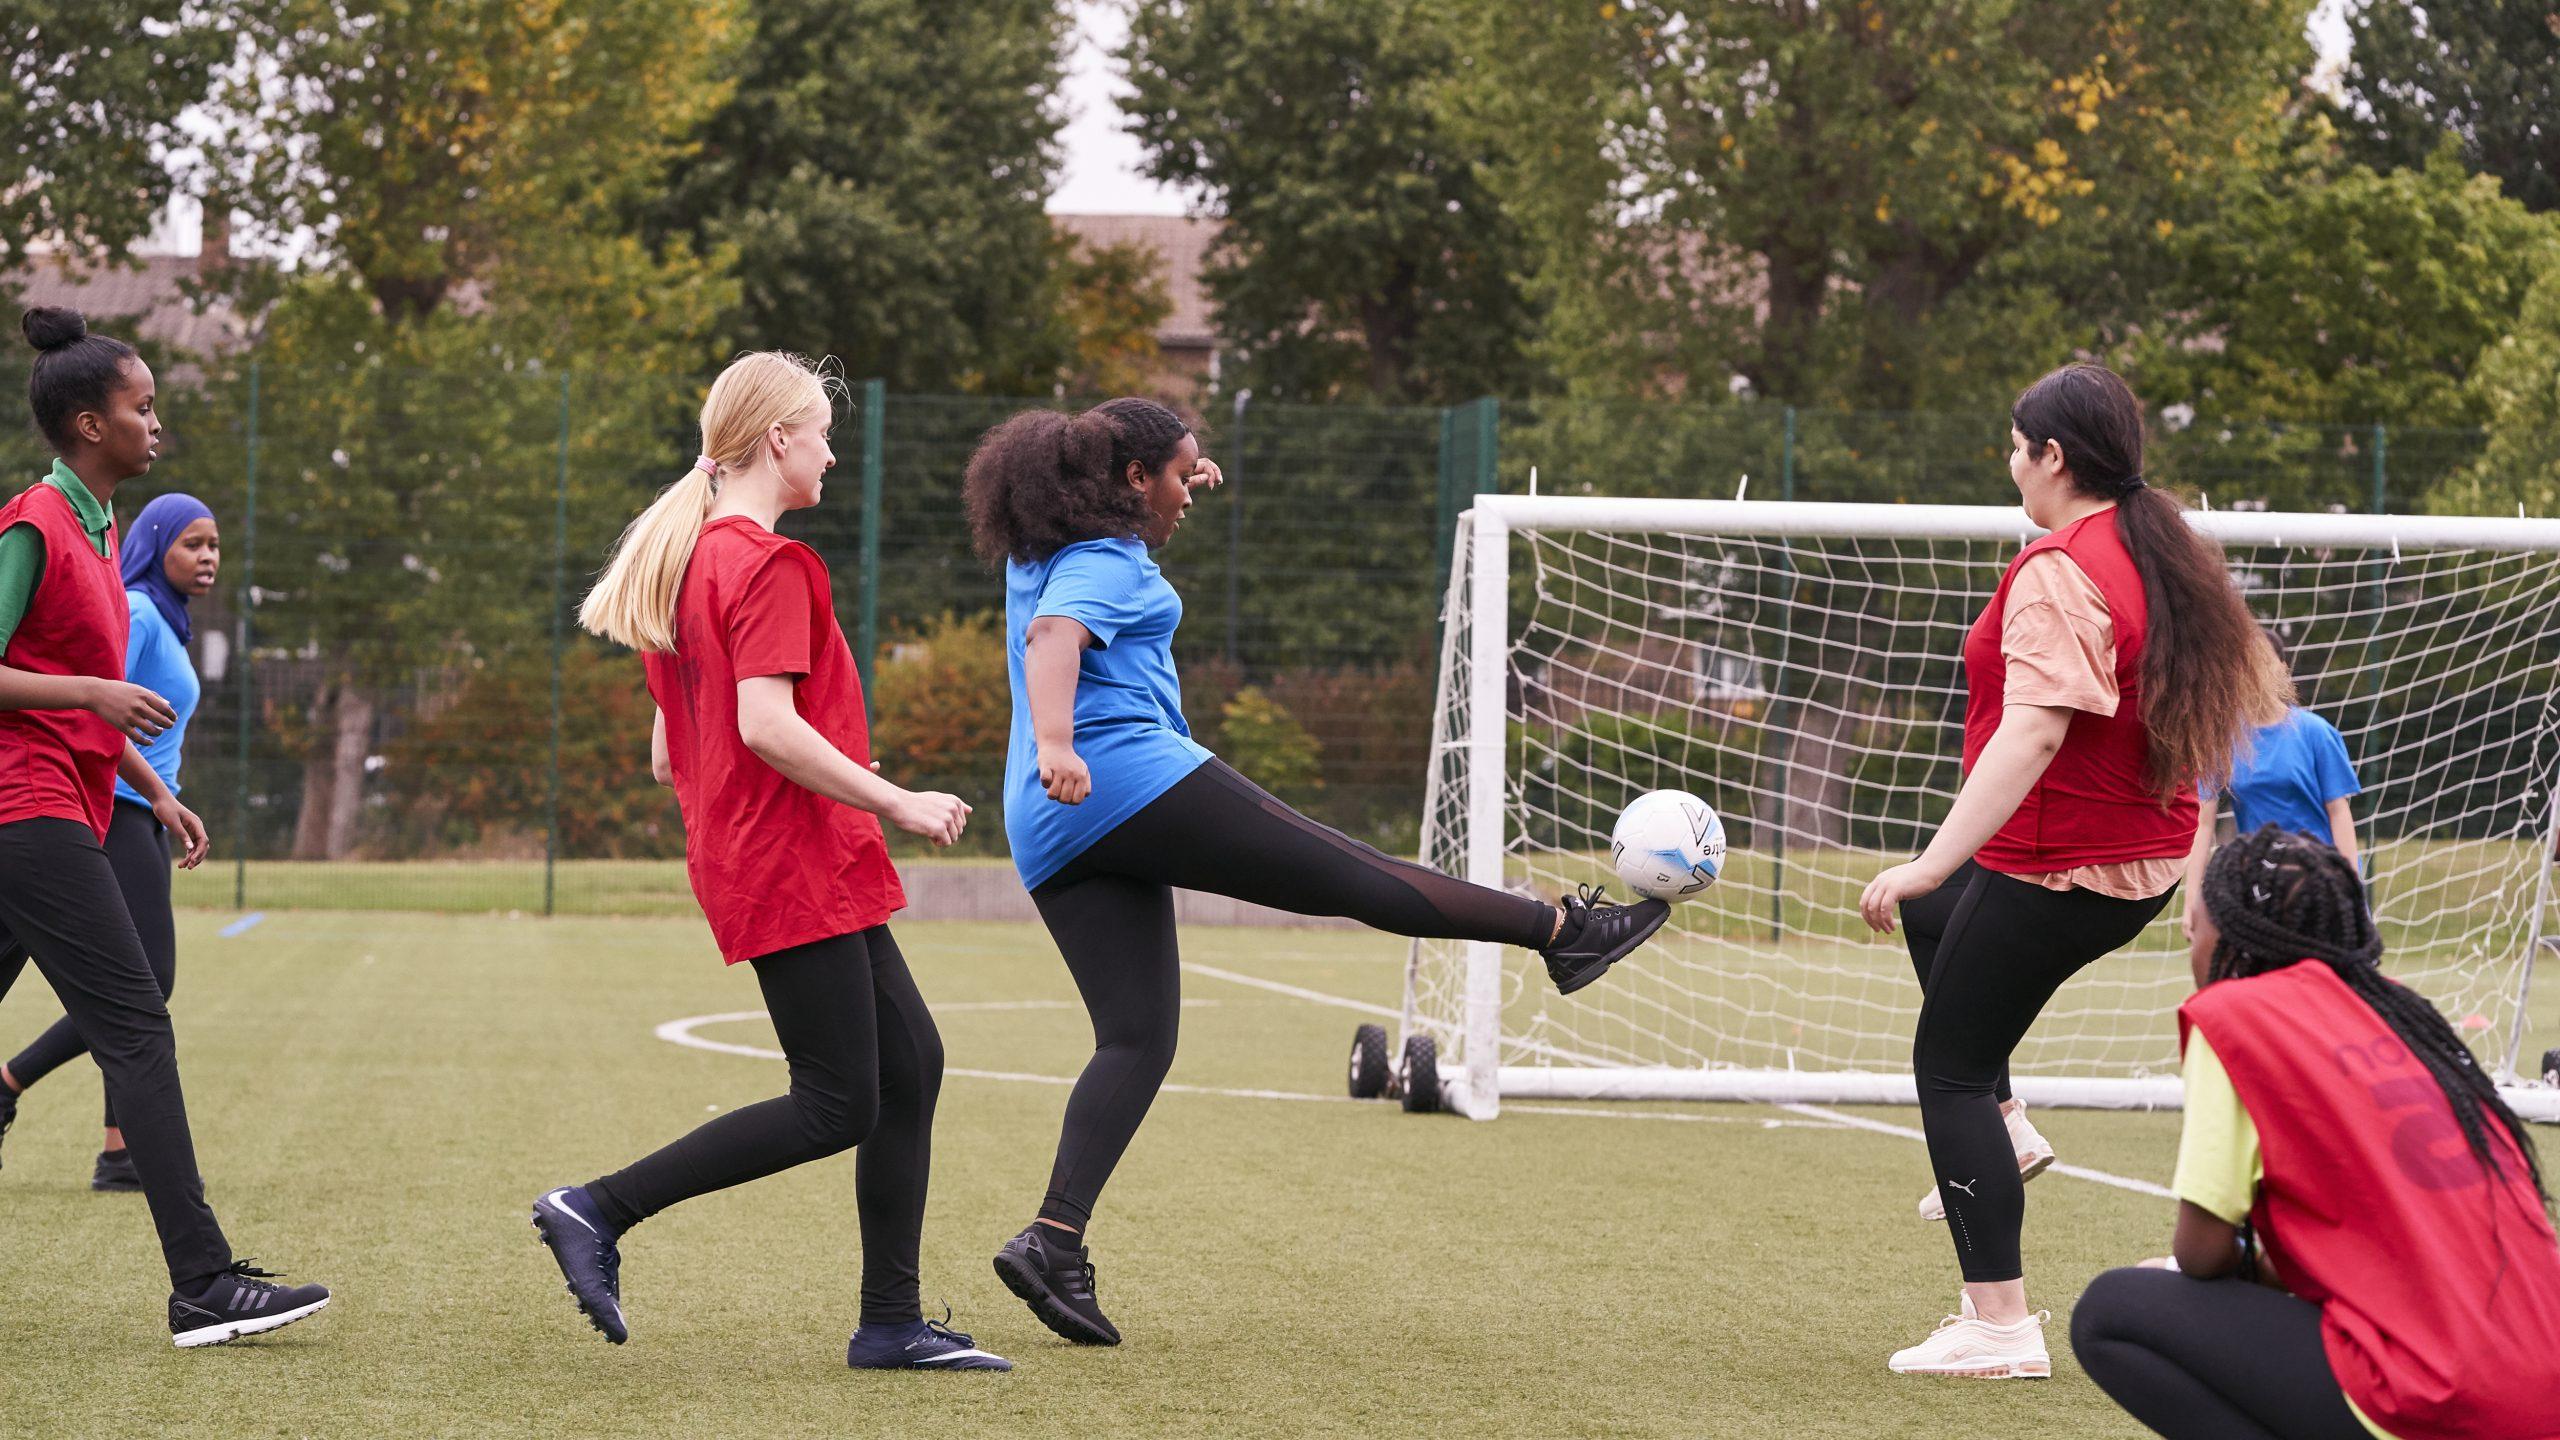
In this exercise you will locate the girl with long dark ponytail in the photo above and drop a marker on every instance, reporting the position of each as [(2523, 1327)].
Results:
[(2343, 1143), (2113, 669)]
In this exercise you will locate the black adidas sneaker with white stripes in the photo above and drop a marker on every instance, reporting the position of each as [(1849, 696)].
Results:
[(1598, 932), (1049, 1269), (242, 1300)]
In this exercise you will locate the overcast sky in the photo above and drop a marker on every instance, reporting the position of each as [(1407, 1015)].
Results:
[(1101, 175)]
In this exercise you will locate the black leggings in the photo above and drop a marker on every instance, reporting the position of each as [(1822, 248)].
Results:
[(2210, 1359), (1991, 950), (138, 853), (1110, 910), (866, 1067), (59, 899)]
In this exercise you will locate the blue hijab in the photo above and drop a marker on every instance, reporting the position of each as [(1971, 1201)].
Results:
[(146, 555)]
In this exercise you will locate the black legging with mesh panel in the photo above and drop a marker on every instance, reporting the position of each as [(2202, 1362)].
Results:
[(1110, 910)]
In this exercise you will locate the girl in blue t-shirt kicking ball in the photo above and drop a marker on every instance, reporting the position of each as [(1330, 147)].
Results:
[(171, 556), (1110, 805), (2294, 775)]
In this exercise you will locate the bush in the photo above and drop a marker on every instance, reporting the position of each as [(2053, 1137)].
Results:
[(473, 777), (941, 715), (1268, 744)]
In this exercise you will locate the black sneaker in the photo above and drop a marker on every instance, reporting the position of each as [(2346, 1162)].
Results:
[(1055, 1278), (238, 1302), (8, 1110), (1598, 933), (570, 1225), (115, 1174), (918, 1345)]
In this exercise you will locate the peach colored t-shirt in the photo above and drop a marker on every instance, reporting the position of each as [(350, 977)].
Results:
[(2059, 643)]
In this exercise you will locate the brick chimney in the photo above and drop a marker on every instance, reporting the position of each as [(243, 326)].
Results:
[(214, 256)]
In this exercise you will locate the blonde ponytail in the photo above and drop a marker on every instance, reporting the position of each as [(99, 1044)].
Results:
[(634, 602)]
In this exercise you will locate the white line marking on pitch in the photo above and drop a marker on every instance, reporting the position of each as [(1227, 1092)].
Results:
[(2076, 1172), (680, 1032), (1294, 992)]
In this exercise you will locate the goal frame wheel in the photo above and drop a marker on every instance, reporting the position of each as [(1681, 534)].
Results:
[(1370, 1070), (1421, 1075)]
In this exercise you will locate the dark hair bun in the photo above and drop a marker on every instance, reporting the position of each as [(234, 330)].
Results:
[(51, 327)]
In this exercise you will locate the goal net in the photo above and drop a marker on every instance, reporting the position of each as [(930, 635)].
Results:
[(1796, 665)]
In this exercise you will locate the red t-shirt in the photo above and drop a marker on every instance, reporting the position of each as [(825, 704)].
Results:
[(773, 864)]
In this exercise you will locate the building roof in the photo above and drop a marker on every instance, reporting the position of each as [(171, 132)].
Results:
[(143, 297), (1181, 244)]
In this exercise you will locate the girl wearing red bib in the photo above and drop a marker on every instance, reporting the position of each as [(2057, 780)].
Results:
[(761, 732), (2342, 1143), (2114, 667), (68, 721)]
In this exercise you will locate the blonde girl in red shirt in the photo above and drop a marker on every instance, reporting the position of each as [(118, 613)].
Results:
[(760, 730)]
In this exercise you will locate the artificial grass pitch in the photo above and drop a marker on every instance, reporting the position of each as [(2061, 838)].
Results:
[(377, 1099)]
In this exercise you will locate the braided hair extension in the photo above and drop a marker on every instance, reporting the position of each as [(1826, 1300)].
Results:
[(2280, 897)]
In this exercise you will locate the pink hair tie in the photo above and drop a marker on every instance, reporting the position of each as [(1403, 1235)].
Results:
[(707, 466)]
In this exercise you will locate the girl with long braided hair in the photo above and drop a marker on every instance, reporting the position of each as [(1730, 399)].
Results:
[(2342, 1143)]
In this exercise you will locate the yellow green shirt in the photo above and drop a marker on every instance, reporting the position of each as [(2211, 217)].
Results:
[(2219, 1164)]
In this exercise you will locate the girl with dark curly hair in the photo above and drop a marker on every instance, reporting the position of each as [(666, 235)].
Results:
[(1110, 805), (2342, 1146)]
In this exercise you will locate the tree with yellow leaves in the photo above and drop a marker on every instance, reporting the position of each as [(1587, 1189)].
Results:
[(1879, 203)]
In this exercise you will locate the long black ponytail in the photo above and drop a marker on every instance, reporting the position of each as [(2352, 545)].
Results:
[(2280, 897)]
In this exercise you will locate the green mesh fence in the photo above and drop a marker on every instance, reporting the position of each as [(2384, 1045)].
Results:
[(400, 713)]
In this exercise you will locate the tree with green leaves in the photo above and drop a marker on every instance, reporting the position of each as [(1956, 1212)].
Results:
[(90, 115), (1876, 203), (880, 168), (2517, 386), (2322, 291), (463, 171), (2486, 72), (1361, 255)]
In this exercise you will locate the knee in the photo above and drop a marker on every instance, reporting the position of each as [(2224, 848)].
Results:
[(1949, 1070), (832, 1122), (2099, 1316)]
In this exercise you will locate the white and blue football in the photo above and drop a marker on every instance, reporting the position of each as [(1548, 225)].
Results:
[(1668, 845)]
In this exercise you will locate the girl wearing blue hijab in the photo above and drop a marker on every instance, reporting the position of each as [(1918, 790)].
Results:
[(171, 555)]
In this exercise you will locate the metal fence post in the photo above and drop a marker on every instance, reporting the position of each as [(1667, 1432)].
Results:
[(875, 421), (1779, 714), (1446, 537), (559, 601), (1787, 460), (245, 658), (1235, 529), (1488, 476), (2381, 468)]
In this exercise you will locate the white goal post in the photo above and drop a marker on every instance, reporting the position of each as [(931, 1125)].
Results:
[(1796, 664)]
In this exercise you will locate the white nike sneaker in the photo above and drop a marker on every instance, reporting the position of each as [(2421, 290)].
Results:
[(1971, 1347), (2035, 1156)]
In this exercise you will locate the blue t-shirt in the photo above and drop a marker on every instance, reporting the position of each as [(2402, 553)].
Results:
[(1129, 728), (154, 660), (2290, 773)]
